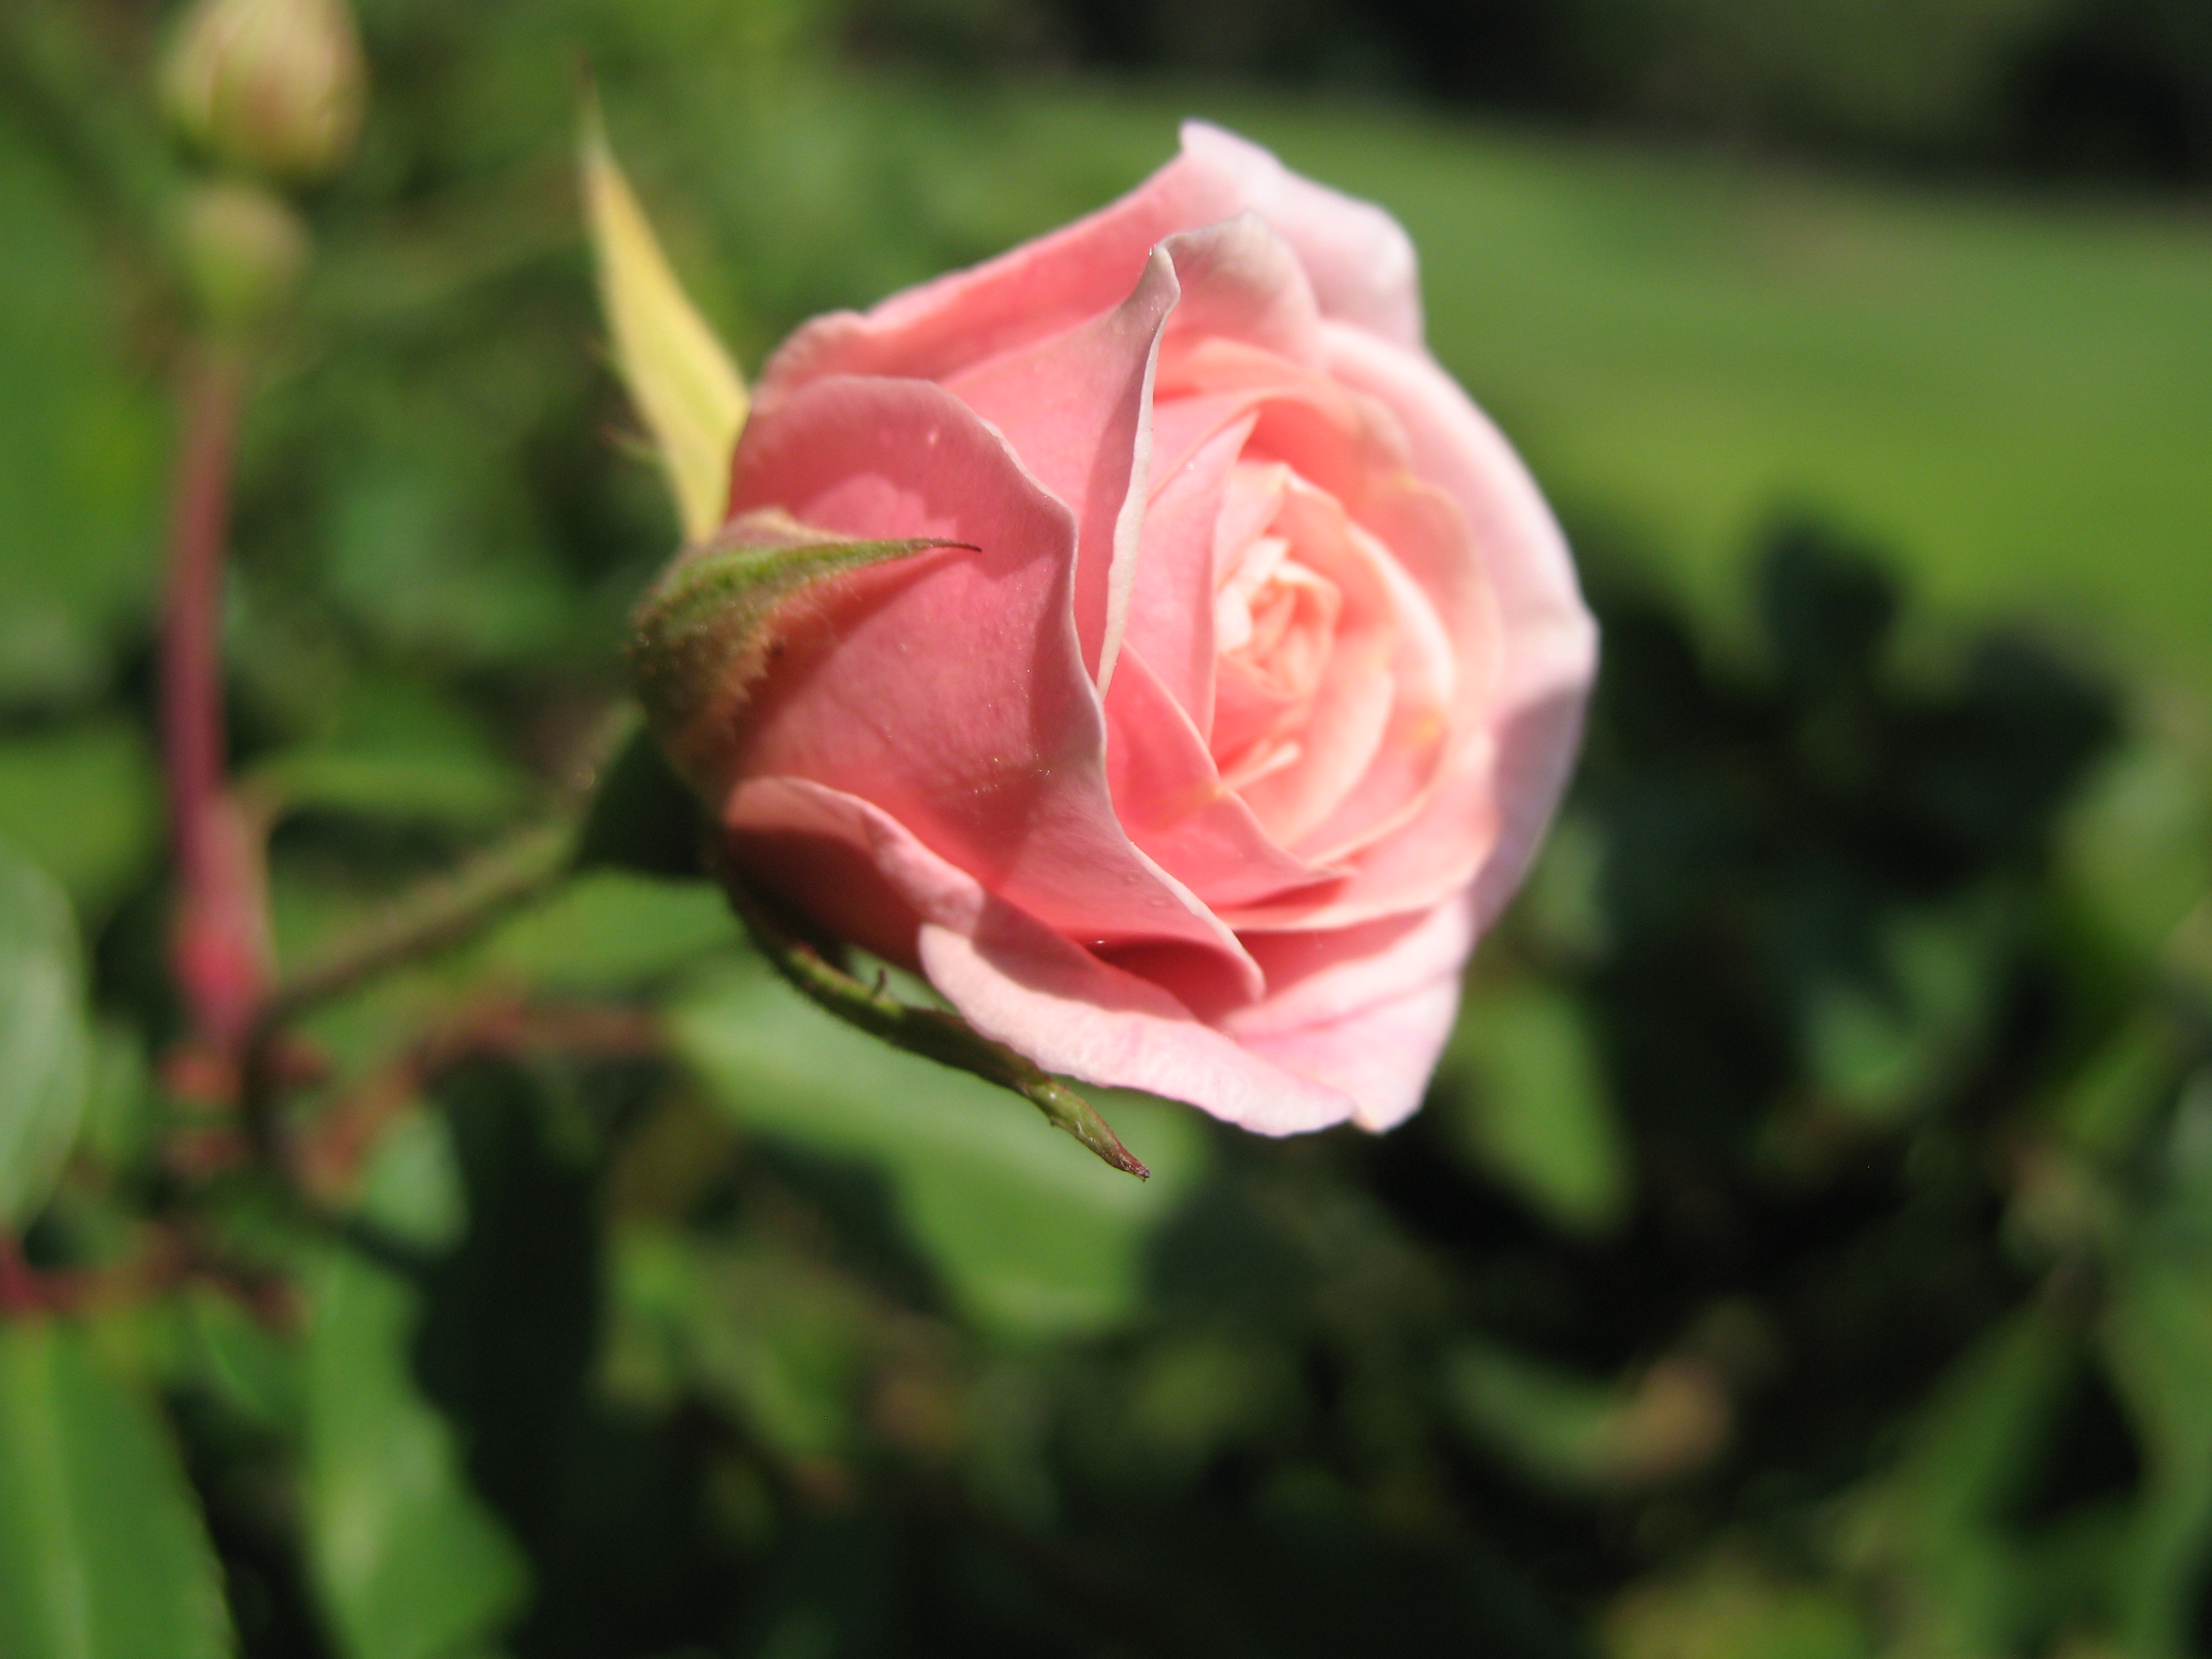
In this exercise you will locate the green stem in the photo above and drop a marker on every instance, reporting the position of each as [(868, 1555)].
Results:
[(932, 1033), (445, 914)]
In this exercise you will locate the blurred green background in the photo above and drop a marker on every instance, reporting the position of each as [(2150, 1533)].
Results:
[(1806, 1249)]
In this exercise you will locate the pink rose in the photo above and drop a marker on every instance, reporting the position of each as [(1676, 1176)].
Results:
[(1202, 775)]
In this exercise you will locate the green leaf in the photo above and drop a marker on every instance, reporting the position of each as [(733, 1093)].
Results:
[(642, 817), (1730, 1607), (232, 1352), (45, 1043), (102, 1554), (2137, 845), (685, 388), (2157, 1341), (1033, 1235), (1530, 1103), (1883, 1050), (1570, 1432), (433, 789), (1938, 1528), (83, 802), (610, 929), (83, 444), (409, 1564), (412, 1188), (782, 1340)]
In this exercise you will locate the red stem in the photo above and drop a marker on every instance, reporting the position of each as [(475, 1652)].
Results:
[(219, 927), (192, 672)]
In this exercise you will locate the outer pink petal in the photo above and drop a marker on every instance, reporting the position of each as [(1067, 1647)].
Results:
[(1077, 408), (1363, 1010), (1383, 1056), (1358, 258), (1242, 281), (1548, 639), (1360, 263), (948, 688), (1019, 981)]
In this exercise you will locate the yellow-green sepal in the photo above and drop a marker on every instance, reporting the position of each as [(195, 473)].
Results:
[(682, 382)]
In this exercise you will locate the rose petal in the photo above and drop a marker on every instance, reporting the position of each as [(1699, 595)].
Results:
[(1358, 258), (1077, 408), (1352, 707), (1024, 983), (1240, 281), (1171, 801), (1413, 747), (991, 749), (1365, 1010), (1548, 641), (1383, 1056), (1359, 263), (1171, 603)]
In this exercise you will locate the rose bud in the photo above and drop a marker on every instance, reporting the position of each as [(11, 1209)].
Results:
[(1235, 697), (242, 252), (273, 87)]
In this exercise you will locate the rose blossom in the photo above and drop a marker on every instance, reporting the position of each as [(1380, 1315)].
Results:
[(1200, 770)]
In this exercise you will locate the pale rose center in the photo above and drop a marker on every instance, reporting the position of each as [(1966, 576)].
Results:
[(1275, 621)]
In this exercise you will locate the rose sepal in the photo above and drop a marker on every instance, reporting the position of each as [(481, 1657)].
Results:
[(705, 632), (681, 380), (935, 1034)]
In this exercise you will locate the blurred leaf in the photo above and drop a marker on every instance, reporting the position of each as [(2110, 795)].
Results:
[(1728, 1607), (81, 801), (410, 1563), (2157, 1341), (435, 556), (121, 1116), (781, 1340), (81, 443), (643, 818), (1194, 1395), (1938, 1528), (1033, 1235), (239, 1358), (2139, 842), (1530, 1103), (610, 929), (448, 793), (682, 382), (1568, 1433), (412, 1186), (2104, 1109), (101, 1549), (45, 1044), (1885, 1048)]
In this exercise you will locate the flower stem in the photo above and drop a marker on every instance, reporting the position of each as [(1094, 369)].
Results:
[(932, 1033), (220, 943), (446, 913)]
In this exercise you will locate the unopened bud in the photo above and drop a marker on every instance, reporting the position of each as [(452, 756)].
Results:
[(243, 251), (273, 87)]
